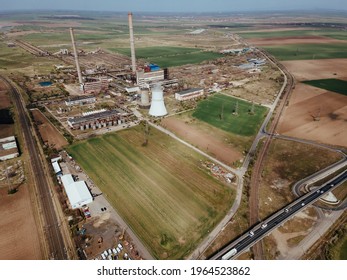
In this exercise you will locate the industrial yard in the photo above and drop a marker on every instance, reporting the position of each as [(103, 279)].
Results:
[(159, 117)]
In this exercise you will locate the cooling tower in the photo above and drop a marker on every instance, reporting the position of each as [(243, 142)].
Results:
[(76, 57), (157, 105), (144, 99), (132, 44)]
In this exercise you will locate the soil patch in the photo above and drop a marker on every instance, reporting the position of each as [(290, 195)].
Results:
[(48, 132), (221, 150), (330, 108), (19, 238)]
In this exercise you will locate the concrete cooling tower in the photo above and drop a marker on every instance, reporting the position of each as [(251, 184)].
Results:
[(144, 103), (157, 105)]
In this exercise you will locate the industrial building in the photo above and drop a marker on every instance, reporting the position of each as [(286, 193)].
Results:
[(8, 148), (80, 100), (100, 119), (95, 86), (77, 192), (189, 94), (143, 77)]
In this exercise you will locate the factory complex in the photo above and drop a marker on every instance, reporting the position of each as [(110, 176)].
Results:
[(108, 85), (99, 120)]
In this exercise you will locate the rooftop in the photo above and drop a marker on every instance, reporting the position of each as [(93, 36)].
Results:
[(191, 90)]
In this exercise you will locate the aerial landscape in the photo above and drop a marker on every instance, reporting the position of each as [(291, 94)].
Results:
[(158, 132)]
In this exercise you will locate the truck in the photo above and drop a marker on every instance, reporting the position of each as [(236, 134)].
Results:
[(230, 254)]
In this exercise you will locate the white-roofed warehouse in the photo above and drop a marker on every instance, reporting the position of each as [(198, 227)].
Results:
[(77, 192)]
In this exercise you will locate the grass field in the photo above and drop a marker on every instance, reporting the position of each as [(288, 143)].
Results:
[(334, 85), (17, 58), (308, 51), (159, 189), (170, 56), (244, 123)]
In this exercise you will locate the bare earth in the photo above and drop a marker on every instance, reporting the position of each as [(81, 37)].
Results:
[(308, 102), (19, 239), (202, 140), (5, 102), (317, 69), (292, 40), (48, 132)]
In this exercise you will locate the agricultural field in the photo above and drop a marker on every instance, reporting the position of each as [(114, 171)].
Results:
[(308, 51), (334, 85), (170, 56), (160, 188), (230, 114), (19, 237), (330, 33)]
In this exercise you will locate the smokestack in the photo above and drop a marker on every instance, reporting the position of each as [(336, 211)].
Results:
[(132, 45), (76, 57)]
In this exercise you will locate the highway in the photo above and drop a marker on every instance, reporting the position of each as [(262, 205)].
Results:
[(264, 228), (51, 225)]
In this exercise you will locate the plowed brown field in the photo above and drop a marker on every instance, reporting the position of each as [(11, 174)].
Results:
[(308, 102), (19, 238)]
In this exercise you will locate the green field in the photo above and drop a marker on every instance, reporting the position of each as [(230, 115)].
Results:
[(308, 51), (170, 56), (17, 58), (244, 123), (334, 85), (160, 189), (331, 33)]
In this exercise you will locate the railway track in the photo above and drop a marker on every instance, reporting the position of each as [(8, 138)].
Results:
[(52, 231), (258, 166), (31, 48)]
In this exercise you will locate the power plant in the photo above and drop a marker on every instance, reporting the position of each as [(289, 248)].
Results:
[(157, 105), (132, 44), (76, 57)]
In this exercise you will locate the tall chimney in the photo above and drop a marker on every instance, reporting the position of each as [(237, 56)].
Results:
[(76, 57), (132, 45)]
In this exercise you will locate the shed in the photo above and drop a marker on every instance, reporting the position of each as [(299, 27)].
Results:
[(57, 169)]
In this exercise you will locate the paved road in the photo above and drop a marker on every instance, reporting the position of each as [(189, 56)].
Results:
[(52, 225), (264, 228)]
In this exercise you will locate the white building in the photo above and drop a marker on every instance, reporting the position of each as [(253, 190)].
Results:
[(57, 169), (8, 148), (189, 94), (80, 100), (77, 192)]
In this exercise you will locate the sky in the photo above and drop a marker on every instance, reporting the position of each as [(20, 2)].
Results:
[(173, 5)]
